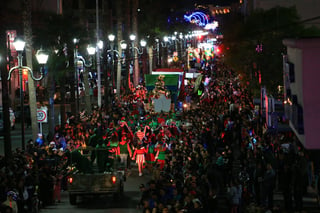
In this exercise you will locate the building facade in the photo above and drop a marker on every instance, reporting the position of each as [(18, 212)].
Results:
[(301, 87)]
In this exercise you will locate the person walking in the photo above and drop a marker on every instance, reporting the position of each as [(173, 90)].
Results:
[(139, 156), (125, 150)]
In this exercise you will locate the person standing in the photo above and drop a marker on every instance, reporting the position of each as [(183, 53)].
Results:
[(161, 153), (285, 185), (57, 187), (139, 156), (235, 193), (125, 150), (299, 180), (11, 201), (268, 186)]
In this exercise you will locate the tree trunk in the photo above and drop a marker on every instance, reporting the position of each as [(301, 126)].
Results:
[(63, 100), (32, 92), (5, 101), (86, 90), (119, 37), (136, 74)]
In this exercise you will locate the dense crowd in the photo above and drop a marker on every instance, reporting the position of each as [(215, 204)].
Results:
[(214, 152)]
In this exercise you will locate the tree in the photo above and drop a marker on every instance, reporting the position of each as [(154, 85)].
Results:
[(254, 43), (29, 48), (59, 37)]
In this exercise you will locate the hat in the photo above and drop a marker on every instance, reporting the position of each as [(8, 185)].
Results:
[(52, 143), (39, 134)]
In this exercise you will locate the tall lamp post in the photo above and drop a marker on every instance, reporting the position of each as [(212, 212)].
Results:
[(111, 38), (135, 65), (42, 59), (76, 75), (135, 59)]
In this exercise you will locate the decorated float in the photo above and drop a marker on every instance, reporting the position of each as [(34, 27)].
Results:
[(163, 87)]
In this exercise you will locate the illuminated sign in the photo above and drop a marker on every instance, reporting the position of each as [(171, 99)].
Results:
[(202, 20), (199, 18)]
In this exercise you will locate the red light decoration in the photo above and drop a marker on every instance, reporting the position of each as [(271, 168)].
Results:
[(70, 179), (114, 179)]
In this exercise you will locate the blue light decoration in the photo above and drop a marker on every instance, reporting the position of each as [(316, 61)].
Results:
[(198, 18)]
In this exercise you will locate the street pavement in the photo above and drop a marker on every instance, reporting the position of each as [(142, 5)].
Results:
[(16, 138), (105, 204)]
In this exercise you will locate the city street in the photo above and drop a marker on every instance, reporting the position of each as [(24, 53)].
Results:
[(106, 204), (16, 133), (16, 138)]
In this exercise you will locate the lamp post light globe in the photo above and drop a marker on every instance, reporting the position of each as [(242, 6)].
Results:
[(132, 37), (91, 50), (100, 45), (111, 37), (19, 44), (123, 45), (42, 56), (143, 43)]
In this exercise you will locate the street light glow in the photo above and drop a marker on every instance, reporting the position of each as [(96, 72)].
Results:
[(143, 43), (42, 57), (100, 44), (19, 44), (132, 37), (111, 37), (75, 40), (123, 45), (91, 50)]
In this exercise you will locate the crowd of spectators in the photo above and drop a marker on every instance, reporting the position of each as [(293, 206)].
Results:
[(212, 157)]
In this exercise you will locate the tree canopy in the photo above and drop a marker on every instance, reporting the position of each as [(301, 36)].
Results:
[(254, 43)]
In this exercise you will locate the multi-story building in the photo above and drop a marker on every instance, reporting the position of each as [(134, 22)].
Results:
[(301, 83)]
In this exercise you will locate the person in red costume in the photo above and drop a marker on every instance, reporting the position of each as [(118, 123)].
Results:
[(139, 155), (161, 153)]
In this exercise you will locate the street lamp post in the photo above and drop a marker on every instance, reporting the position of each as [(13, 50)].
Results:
[(135, 59), (76, 75), (42, 59), (135, 65), (111, 38)]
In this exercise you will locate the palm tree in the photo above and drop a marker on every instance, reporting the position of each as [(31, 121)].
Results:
[(119, 37), (26, 18)]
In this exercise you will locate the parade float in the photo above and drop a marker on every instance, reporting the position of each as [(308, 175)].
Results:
[(163, 87)]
